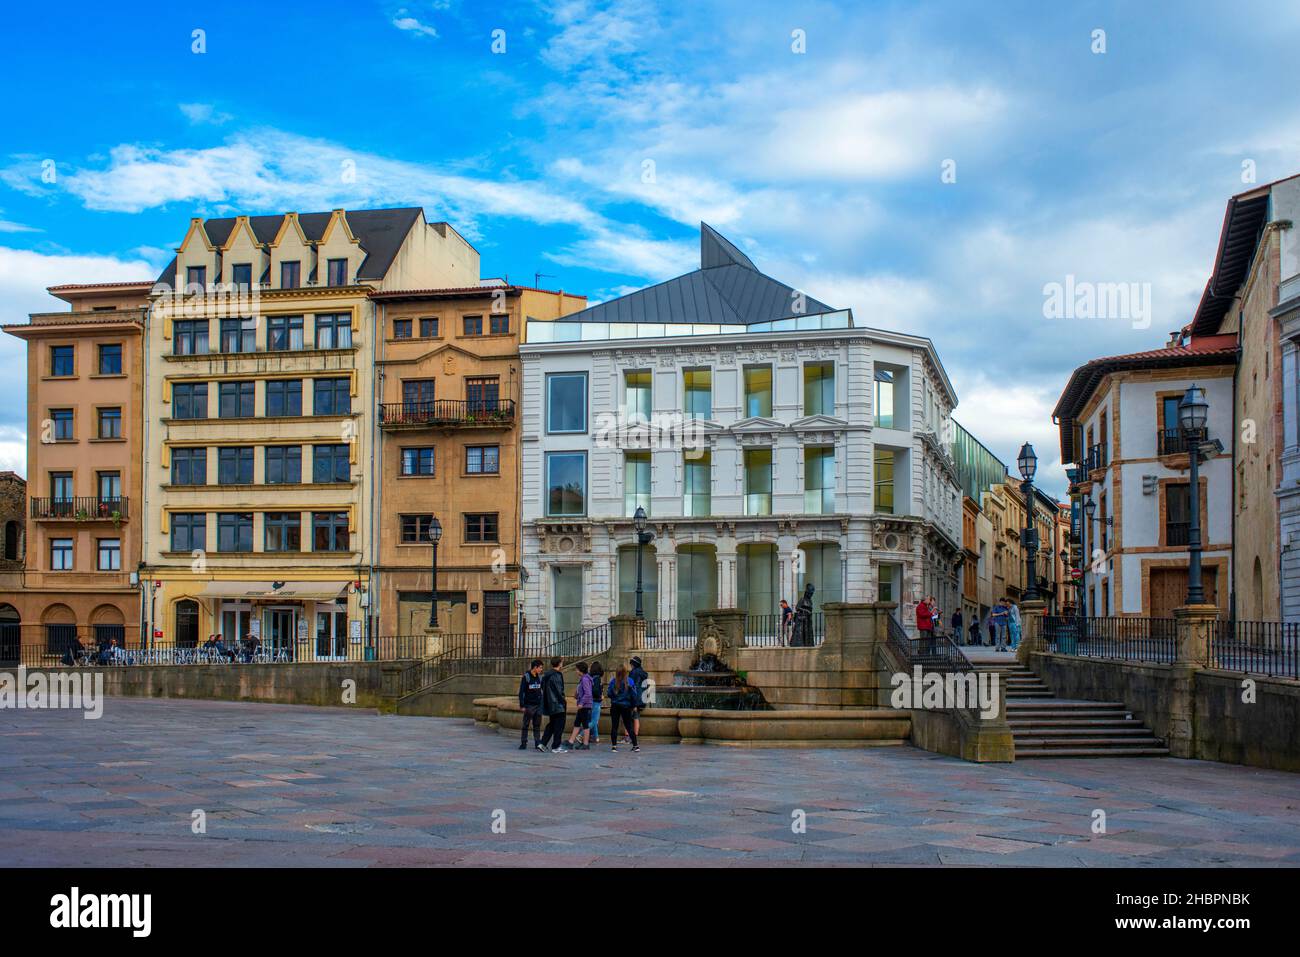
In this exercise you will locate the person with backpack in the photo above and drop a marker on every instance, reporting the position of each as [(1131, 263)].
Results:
[(639, 680), (582, 722), (530, 701), (597, 696), (554, 708), (622, 705)]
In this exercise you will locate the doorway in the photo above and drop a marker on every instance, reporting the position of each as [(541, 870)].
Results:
[(496, 624), (281, 631), (332, 632)]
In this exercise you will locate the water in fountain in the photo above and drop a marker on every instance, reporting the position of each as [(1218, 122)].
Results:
[(710, 684)]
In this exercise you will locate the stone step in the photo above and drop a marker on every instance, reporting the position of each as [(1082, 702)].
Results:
[(1095, 741), (1075, 723), (1038, 731), (1091, 753), (1069, 705)]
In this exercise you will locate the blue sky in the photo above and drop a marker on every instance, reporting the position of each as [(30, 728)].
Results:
[(825, 166)]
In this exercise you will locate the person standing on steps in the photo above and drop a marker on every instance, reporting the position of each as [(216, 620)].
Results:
[(925, 626), (1013, 624), (639, 680), (622, 704), (958, 632), (582, 696), (530, 701), (553, 707), (998, 623)]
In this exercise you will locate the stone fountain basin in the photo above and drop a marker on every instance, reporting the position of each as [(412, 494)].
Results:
[(847, 728)]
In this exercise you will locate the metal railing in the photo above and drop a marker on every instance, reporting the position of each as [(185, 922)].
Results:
[(472, 412), (1124, 638), (1096, 458), (1269, 648), (1177, 533), (83, 508), (1176, 441), (313, 651), (667, 634), (936, 653), (768, 631)]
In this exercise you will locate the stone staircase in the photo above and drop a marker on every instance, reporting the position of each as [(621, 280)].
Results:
[(1044, 726)]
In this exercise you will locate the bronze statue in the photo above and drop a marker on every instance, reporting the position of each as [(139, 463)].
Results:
[(802, 634)]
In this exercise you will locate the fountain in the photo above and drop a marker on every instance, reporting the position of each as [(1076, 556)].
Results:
[(709, 683)]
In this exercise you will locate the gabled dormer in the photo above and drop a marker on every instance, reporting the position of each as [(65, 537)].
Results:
[(198, 260), (243, 257), (338, 253), (289, 247)]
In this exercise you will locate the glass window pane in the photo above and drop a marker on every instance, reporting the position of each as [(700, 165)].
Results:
[(566, 483), (758, 481), (698, 486), (636, 482), (566, 402), (758, 391)]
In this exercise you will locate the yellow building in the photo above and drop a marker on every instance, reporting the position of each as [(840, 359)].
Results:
[(260, 425)]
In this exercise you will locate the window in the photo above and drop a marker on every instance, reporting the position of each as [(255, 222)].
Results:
[(418, 461), (401, 328), (482, 459), (415, 529), (282, 532), (566, 483), (190, 337), (110, 359), (283, 464), (481, 527), (417, 395), (329, 463), (62, 419), (887, 577), (235, 465), (110, 489), (566, 598), (236, 400), (241, 274), (499, 323), (758, 391), (337, 272), (758, 481), (234, 531), (62, 361), (1103, 512), (109, 555), (636, 396), (698, 484), (290, 275), (636, 482), (189, 531), (884, 479), (189, 466), (884, 398), (819, 388), (429, 327), (329, 531), (238, 335), (331, 397), (472, 325), (196, 279), (60, 554), (819, 480), (284, 397), (1178, 513), (61, 488), (190, 400), (284, 333), (110, 423), (699, 393), (482, 394), (566, 402), (334, 331), (757, 578)]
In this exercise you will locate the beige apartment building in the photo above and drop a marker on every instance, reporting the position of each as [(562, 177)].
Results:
[(260, 426), (82, 541)]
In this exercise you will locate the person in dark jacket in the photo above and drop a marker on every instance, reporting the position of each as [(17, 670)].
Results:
[(639, 680), (530, 700), (597, 694), (583, 698), (553, 706), (622, 705), (958, 631)]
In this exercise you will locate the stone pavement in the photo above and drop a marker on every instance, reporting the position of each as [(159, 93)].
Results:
[(283, 785)]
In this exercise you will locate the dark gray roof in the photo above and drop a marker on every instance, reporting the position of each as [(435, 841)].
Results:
[(380, 232), (727, 289)]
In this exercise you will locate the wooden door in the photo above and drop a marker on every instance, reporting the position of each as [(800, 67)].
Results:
[(1169, 589), (496, 624)]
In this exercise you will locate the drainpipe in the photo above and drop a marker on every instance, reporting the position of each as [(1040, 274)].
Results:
[(1232, 482), (377, 486)]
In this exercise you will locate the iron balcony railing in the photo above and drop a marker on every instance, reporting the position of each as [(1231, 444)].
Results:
[(1096, 457), (1177, 533), (1269, 648), (1176, 441), (1125, 638), (84, 508), (451, 412)]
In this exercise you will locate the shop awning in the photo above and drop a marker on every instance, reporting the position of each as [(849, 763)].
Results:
[(266, 591)]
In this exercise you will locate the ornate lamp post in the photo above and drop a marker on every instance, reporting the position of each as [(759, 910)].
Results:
[(1028, 463), (643, 538), (1090, 512), (435, 533), (1193, 412)]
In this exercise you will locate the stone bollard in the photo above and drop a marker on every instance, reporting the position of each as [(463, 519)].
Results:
[(1192, 624), (1033, 614)]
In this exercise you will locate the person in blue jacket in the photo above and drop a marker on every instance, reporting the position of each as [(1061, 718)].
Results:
[(622, 701)]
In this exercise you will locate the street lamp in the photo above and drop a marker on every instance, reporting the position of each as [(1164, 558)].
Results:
[(643, 538), (1028, 463), (1090, 510), (435, 533), (1193, 411)]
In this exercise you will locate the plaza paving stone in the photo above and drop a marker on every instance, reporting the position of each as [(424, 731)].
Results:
[(289, 786)]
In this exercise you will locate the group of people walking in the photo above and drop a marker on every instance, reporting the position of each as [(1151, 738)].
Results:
[(1002, 625), (541, 695)]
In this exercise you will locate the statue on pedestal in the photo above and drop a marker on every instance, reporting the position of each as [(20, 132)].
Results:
[(801, 636)]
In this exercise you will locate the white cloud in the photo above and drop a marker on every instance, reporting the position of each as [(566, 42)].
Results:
[(13, 450), (412, 25), (204, 113), (7, 226)]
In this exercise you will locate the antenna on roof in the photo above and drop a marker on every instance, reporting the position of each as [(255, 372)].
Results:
[(538, 277)]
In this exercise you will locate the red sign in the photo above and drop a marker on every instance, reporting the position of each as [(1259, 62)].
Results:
[(1076, 573), (157, 633)]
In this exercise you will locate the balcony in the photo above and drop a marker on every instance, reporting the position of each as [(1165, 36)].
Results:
[(1177, 442), (1177, 533), (87, 508), (1096, 458), (450, 413)]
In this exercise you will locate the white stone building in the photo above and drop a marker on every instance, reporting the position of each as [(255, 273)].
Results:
[(770, 439)]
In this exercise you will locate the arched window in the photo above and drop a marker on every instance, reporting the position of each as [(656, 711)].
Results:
[(187, 623)]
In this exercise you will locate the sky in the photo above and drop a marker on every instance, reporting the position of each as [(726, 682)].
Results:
[(935, 167)]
